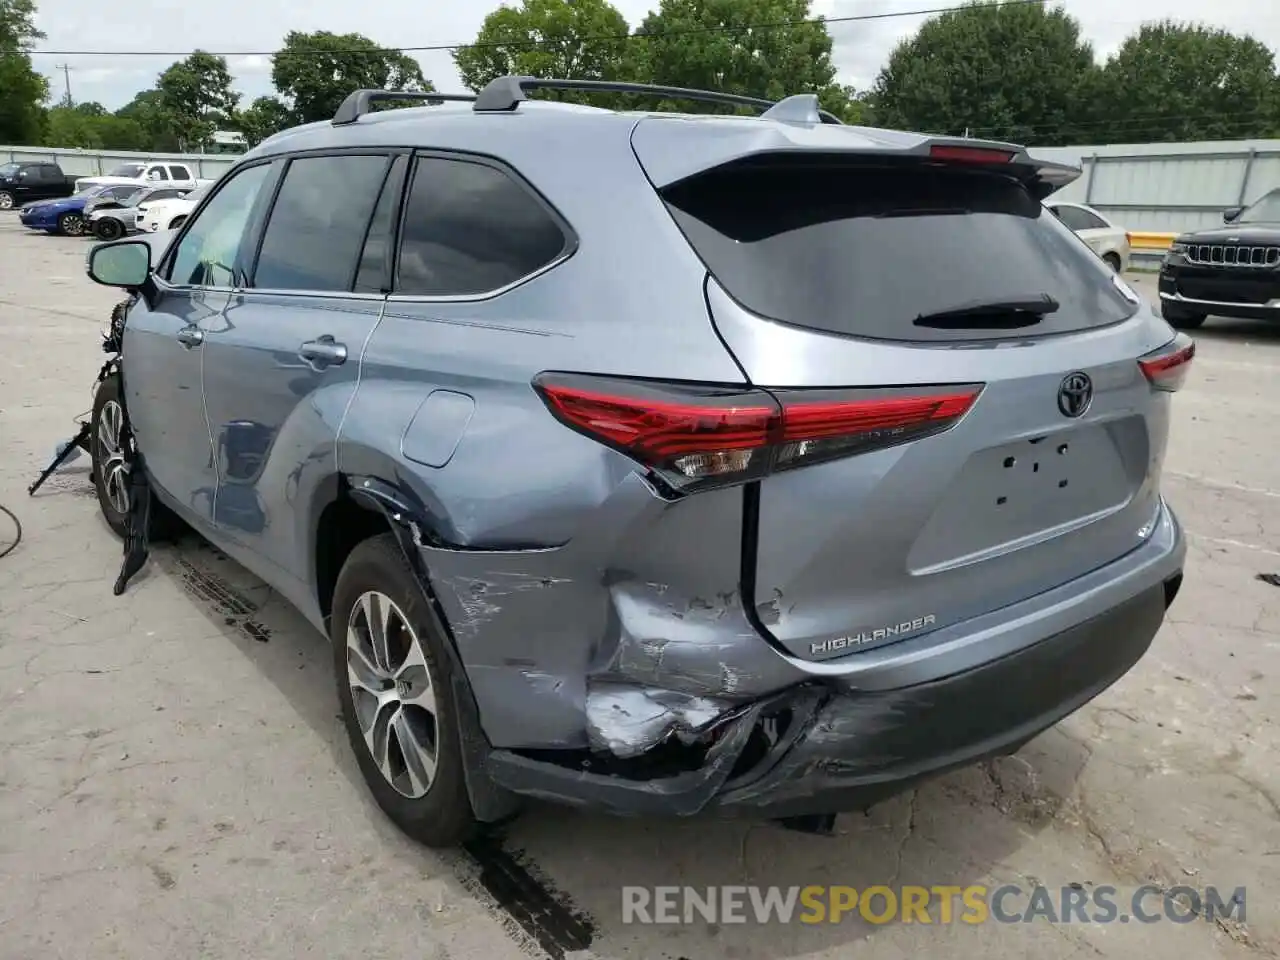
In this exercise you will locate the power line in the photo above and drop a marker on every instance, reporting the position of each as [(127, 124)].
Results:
[(608, 38)]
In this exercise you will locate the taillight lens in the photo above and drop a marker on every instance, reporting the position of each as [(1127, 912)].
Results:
[(694, 436), (1167, 368)]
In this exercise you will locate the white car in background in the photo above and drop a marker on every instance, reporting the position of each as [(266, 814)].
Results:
[(150, 173), (1108, 241), (112, 220), (169, 214)]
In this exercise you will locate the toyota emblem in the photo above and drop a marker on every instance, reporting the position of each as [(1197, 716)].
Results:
[(1075, 394)]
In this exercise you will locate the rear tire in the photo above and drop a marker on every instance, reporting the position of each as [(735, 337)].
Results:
[(1113, 261), (1181, 319), (111, 474), (402, 695)]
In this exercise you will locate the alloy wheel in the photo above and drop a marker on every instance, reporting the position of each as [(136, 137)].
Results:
[(6, 201), (111, 462), (72, 224), (393, 692)]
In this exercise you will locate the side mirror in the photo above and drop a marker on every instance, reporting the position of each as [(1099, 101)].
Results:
[(1231, 214), (124, 264)]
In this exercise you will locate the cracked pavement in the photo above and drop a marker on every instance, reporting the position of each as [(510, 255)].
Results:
[(174, 780)]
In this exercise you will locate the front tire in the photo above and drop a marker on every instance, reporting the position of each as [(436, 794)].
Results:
[(72, 224), (1113, 261), (176, 222), (6, 200), (394, 678), (110, 471)]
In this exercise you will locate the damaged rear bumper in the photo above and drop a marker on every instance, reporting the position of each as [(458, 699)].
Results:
[(826, 747)]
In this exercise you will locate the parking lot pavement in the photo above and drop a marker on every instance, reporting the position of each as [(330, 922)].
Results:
[(174, 781)]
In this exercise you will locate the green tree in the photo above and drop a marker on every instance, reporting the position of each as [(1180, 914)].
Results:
[(1017, 73), (262, 118), (22, 90), (717, 45), (91, 127), (316, 71), (196, 97), (1173, 81), (567, 39), (147, 110)]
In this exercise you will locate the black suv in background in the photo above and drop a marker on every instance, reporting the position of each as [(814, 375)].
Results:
[(1231, 271), (23, 182)]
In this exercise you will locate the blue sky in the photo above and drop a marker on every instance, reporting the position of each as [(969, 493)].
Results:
[(259, 25)]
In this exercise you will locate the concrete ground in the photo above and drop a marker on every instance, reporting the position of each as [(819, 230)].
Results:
[(174, 781)]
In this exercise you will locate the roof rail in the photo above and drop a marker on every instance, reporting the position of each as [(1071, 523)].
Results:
[(506, 93), (360, 102)]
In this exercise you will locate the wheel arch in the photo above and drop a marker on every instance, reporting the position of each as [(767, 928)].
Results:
[(348, 509), (357, 507)]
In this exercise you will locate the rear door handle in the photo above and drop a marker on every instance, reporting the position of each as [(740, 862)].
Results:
[(323, 352), (191, 336)]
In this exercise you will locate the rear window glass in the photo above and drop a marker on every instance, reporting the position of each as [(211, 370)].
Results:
[(865, 251)]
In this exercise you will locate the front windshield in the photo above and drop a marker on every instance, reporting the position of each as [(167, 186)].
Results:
[(127, 170), (1266, 210), (92, 191), (196, 195), (8, 169)]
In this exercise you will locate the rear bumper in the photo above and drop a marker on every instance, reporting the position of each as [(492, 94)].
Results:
[(834, 743)]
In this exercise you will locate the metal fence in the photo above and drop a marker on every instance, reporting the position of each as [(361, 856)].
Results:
[(85, 163), (1170, 187)]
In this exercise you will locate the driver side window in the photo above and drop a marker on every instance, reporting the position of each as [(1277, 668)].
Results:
[(207, 253)]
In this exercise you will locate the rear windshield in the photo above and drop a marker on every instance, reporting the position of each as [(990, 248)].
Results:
[(866, 251)]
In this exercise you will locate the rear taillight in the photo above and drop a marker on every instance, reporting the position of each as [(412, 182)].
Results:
[(694, 436), (1167, 368), (956, 153)]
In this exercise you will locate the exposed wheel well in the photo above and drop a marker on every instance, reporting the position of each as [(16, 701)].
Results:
[(342, 525)]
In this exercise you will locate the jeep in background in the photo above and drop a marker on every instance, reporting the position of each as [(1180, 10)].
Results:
[(22, 182), (1229, 271)]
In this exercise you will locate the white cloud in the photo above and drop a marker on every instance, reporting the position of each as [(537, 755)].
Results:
[(257, 28)]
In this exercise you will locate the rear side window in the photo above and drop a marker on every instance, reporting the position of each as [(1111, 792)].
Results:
[(180, 172), (318, 223), (866, 251), (471, 229)]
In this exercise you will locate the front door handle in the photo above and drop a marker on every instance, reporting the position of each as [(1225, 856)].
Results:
[(191, 336), (323, 352)]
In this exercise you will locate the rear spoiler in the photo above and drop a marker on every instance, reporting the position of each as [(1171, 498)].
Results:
[(672, 149)]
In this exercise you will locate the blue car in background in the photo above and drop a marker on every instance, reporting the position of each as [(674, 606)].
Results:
[(66, 215)]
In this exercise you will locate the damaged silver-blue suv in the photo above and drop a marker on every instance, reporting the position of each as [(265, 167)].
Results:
[(657, 463)]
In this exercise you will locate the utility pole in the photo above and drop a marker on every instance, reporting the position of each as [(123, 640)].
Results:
[(66, 73)]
